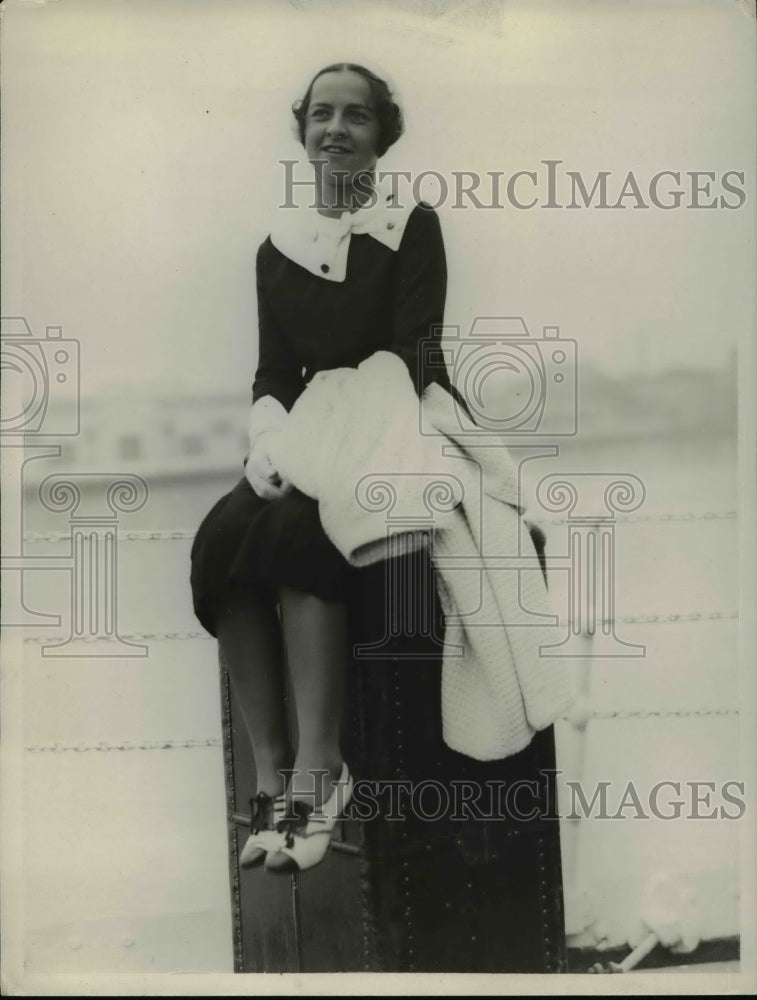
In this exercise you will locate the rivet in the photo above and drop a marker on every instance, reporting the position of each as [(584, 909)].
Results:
[(390, 225), (325, 268)]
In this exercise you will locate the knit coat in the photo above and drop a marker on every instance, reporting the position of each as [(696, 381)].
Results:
[(390, 479)]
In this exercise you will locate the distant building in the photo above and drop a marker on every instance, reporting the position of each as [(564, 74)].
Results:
[(167, 436), (157, 437)]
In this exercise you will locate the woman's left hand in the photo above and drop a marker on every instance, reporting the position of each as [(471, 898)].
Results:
[(262, 475)]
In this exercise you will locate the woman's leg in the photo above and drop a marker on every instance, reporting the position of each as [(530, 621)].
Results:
[(316, 637), (249, 634)]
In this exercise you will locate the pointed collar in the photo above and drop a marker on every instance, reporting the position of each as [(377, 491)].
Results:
[(320, 244)]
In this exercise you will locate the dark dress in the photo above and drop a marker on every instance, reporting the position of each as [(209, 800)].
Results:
[(389, 300)]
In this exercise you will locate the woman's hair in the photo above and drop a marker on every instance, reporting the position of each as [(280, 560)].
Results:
[(388, 113)]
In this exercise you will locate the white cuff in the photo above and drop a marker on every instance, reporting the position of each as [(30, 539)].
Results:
[(265, 414)]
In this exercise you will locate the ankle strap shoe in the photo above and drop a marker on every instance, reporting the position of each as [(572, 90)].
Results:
[(307, 831), (265, 814)]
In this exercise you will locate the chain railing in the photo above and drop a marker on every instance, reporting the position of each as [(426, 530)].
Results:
[(187, 534)]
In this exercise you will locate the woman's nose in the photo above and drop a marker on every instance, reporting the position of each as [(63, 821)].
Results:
[(336, 127)]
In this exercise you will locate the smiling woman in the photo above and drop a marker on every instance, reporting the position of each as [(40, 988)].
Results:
[(339, 281), (336, 282), (346, 121)]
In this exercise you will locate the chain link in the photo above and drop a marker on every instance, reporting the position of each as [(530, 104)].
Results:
[(213, 742), (673, 713), (710, 515), (187, 534), (131, 637), (669, 619), (178, 534), (104, 747), (674, 619)]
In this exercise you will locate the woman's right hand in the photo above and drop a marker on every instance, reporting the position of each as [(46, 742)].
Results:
[(261, 474)]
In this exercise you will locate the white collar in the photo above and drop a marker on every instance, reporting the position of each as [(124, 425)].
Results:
[(320, 244)]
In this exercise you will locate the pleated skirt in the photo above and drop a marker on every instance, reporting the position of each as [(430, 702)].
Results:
[(245, 541)]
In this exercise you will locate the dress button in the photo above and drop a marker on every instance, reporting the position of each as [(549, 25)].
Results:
[(325, 268), (390, 225)]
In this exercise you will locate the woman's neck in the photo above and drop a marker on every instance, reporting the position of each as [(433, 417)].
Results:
[(333, 201)]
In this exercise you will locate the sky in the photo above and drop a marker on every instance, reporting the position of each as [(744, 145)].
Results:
[(141, 164)]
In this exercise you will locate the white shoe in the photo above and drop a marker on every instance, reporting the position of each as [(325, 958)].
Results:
[(307, 831)]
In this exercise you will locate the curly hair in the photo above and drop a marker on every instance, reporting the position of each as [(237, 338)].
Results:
[(388, 113)]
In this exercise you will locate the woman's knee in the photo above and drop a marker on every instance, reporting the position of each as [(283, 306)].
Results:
[(244, 600)]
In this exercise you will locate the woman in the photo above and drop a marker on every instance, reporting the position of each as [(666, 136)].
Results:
[(353, 274)]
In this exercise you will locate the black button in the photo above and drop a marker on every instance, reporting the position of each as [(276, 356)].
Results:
[(325, 268)]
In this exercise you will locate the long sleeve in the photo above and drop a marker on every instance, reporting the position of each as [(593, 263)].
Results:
[(278, 373), (421, 289)]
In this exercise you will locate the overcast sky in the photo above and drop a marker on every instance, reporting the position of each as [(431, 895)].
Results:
[(141, 140)]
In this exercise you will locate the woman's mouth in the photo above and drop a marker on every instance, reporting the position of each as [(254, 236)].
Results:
[(335, 148)]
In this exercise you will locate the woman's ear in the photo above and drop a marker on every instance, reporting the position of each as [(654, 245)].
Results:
[(297, 123)]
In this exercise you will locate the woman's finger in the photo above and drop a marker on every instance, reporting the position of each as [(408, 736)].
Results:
[(260, 485), (265, 489)]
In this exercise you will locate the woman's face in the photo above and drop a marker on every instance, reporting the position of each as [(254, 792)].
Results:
[(341, 128)]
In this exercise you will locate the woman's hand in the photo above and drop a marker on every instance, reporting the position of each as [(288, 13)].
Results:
[(261, 474)]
